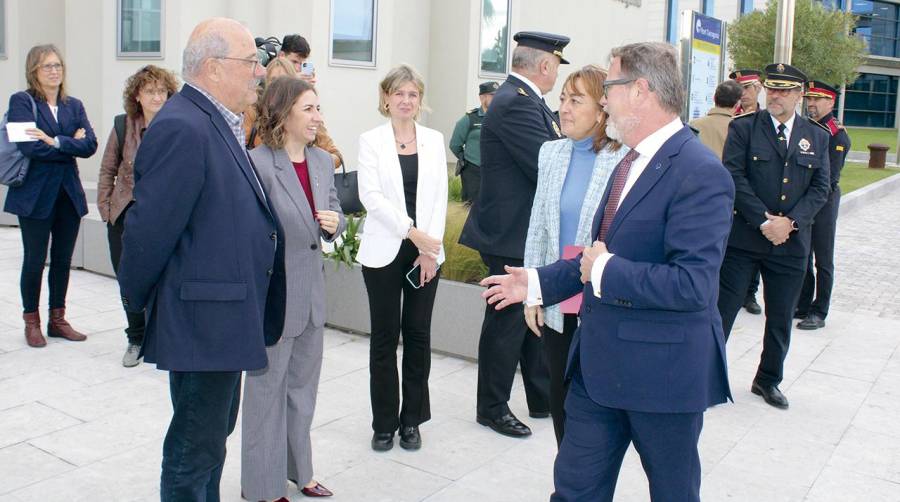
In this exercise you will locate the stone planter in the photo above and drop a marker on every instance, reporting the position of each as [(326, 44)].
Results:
[(455, 324)]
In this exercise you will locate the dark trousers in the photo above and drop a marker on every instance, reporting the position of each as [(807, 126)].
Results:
[(205, 408), (753, 288), (114, 231), (556, 351), (505, 342), (387, 287), (782, 277), (590, 457), (471, 182), (62, 225), (821, 282)]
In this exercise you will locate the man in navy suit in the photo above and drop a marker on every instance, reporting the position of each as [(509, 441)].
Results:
[(198, 252), (649, 355)]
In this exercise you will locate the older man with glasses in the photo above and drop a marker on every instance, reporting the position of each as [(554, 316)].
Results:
[(199, 253)]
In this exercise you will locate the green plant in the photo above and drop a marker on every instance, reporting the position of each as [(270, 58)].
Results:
[(347, 245), (823, 47), (455, 186), (462, 264)]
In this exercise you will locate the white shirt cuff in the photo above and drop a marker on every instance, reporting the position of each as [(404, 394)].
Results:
[(56, 142), (597, 271), (534, 288)]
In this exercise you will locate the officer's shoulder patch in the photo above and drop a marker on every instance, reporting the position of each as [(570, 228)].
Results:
[(833, 126), (748, 114), (522, 91)]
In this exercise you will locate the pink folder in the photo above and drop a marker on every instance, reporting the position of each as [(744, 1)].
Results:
[(573, 304)]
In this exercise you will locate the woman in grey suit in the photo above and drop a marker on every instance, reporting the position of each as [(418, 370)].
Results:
[(279, 400), (572, 176)]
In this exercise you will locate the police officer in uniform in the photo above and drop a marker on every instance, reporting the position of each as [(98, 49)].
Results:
[(465, 142), (780, 166), (820, 98), (749, 80), (516, 125)]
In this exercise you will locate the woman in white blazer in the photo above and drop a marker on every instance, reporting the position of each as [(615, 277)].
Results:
[(403, 186)]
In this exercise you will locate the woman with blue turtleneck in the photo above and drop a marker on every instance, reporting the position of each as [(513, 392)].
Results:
[(572, 176)]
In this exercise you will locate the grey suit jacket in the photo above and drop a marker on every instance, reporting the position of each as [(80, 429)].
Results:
[(304, 269)]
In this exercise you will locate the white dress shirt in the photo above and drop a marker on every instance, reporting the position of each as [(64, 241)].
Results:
[(647, 149), (789, 125)]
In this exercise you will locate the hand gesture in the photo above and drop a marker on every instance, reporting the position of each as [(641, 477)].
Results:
[(40, 136), (534, 318), (428, 269), (587, 259), (506, 289), (777, 229), (328, 221)]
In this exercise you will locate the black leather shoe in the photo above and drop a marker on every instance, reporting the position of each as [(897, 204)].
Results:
[(382, 441), (508, 425), (812, 321), (770, 394), (539, 414), (410, 439), (751, 306)]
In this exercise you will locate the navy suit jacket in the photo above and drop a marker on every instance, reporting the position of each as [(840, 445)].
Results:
[(517, 123), (199, 243), (51, 169), (653, 342)]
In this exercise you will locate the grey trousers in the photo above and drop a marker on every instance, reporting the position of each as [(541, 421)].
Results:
[(277, 414)]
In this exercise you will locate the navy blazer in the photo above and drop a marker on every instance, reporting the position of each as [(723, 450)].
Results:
[(51, 169), (517, 123), (199, 243), (653, 342)]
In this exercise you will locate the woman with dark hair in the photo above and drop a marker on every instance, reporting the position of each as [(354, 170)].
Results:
[(51, 201), (279, 400), (145, 93), (572, 176)]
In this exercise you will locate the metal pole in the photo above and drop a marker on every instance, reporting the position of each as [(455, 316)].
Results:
[(784, 31), (848, 6)]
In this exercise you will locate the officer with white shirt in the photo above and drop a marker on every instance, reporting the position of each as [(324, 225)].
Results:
[(780, 166)]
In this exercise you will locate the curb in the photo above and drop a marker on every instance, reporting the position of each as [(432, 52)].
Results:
[(859, 198)]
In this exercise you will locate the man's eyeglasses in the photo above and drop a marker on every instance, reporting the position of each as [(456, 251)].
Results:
[(252, 60), (619, 81), (47, 68)]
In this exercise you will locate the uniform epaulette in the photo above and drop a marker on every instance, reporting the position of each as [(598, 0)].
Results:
[(522, 91), (823, 126), (473, 110), (833, 126), (748, 114)]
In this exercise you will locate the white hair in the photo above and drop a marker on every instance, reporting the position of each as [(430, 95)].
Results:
[(528, 58), (199, 49)]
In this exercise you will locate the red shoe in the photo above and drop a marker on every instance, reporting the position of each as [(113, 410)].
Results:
[(316, 491)]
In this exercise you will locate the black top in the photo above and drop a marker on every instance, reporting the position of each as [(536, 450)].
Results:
[(409, 167)]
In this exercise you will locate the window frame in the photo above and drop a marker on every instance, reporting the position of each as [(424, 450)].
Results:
[(351, 63), (4, 24), (490, 74), (120, 54)]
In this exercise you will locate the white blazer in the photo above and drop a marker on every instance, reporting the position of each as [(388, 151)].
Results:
[(381, 192)]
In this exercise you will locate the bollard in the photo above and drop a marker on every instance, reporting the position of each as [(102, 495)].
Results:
[(877, 155)]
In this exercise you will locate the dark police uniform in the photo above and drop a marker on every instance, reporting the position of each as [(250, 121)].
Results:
[(465, 143), (825, 223), (517, 123), (790, 181)]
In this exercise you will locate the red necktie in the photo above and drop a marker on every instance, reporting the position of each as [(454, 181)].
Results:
[(615, 193)]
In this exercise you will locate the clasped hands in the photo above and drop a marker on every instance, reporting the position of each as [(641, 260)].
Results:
[(777, 229), (429, 248)]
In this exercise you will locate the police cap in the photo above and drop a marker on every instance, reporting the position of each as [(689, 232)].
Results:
[(783, 76), (488, 87), (547, 42), (819, 89), (745, 76)]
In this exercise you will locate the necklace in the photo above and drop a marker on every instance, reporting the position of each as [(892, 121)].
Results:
[(404, 143)]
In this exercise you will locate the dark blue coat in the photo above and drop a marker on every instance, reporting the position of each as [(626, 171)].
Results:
[(51, 169), (517, 123), (795, 186), (199, 243), (653, 342)]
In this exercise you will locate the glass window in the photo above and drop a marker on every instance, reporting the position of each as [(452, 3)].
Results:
[(353, 27), (494, 45), (871, 101), (878, 25), (2, 29), (140, 29)]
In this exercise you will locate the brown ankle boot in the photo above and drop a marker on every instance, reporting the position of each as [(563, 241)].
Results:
[(33, 335), (57, 326)]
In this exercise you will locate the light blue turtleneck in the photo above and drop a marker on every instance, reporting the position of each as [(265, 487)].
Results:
[(578, 177)]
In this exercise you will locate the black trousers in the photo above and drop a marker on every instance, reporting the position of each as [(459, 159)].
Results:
[(114, 231), (821, 282), (754, 287), (62, 225), (782, 277), (471, 182), (205, 408), (556, 351), (506, 342), (395, 306)]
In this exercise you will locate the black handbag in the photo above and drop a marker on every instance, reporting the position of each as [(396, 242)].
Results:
[(347, 187)]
